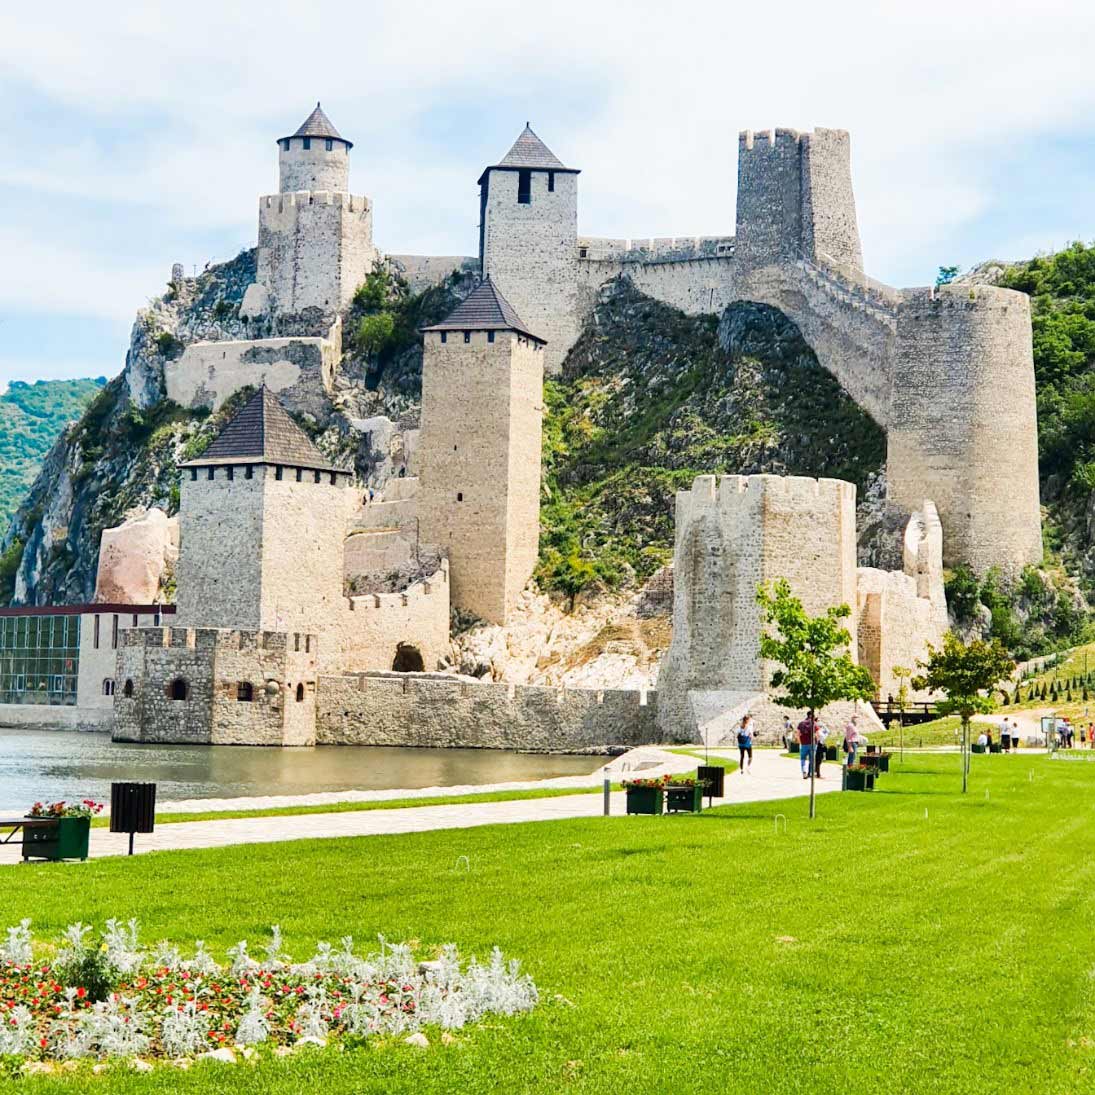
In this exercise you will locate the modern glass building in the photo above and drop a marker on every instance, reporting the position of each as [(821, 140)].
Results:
[(39, 658)]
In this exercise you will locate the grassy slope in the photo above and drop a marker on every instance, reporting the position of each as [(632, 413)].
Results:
[(31, 418), (929, 954)]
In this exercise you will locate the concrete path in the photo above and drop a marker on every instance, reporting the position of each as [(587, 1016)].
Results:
[(773, 777)]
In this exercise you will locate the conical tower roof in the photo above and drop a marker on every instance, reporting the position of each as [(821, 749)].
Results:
[(529, 151), (262, 432), (484, 309), (317, 124)]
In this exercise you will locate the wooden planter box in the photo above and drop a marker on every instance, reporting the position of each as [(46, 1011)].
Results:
[(645, 800), (977, 748), (859, 781), (831, 752), (793, 748), (66, 838), (679, 799)]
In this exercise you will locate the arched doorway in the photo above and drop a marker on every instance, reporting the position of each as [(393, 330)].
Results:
[(408, 659)]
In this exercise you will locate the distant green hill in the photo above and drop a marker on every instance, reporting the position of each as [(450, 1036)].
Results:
[(31, 418)]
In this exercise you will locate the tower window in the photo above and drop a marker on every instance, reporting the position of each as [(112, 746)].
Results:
[(551, 182), (285, 144), (108, 687), (249, 473), (334, 479), (583, 252), (96, 638), (300, 693), (467, 336), (460, 496), (524, 186), (231, 472), (245, 693), (319, 476), (211, 474), (178, 689), (127, 691), (490, 336), (300, 474), (307, 143), (193, 475), (114, 636), (444, 336), (330, 144), (278, 471)]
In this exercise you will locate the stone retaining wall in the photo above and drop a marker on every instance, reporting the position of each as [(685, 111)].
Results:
[(434, 711)]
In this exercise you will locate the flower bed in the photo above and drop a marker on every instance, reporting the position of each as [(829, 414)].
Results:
[(110, 998)]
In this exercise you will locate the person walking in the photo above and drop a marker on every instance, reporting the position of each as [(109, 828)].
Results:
[(820, 739), (745, 745), (788, 733), (806, 745), (851, 740)]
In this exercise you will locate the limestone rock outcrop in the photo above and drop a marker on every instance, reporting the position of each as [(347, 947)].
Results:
[(137, 558)]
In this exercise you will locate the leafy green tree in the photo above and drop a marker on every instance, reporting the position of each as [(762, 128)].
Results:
[(816, 667), (902, 673), (373, 333), (966, 675), (946, 275)]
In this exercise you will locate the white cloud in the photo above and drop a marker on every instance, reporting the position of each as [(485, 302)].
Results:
[(173, 109)]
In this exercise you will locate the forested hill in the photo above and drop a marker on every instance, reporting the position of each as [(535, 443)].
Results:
[(31, 418)]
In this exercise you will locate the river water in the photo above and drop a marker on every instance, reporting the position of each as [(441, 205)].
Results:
[(50, 765)]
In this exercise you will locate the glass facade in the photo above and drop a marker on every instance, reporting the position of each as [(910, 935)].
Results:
[(39, 659)]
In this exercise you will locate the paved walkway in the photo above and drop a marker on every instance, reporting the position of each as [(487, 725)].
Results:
[(773, 777)]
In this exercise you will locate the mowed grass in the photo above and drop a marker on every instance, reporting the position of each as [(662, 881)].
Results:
[(910, 940)]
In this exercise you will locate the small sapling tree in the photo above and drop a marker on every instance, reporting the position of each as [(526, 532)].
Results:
[(815, 665), (966, 674)]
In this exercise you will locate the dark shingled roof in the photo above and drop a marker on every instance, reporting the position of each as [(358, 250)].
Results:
[(529, 151), (263, 433), (317, 124), (484, 309)]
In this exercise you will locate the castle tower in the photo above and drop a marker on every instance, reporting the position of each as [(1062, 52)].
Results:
[(479, 454), (261, 527), (795, 199), (316, 157), (528, 240), (315, 242)]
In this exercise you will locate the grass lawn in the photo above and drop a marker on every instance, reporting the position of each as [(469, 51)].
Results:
[(910, 940), (942, 731)]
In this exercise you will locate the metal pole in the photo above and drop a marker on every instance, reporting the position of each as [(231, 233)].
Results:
[(131, 835), (608, 794)]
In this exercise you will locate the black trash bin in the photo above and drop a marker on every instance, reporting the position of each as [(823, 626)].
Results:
[(713, 777), (132, 809)]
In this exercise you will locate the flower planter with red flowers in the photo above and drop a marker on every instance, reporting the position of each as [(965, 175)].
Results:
[(645, 796), (684, 797), (859, 777), (67, 834)]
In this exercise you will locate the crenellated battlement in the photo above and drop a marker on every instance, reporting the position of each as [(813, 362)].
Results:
[(296, 199), (963, 297), (438, 582), (769, 140), (668, 249), (731, 494), (217, 638)]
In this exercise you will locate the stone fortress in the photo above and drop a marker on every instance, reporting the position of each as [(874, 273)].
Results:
[(269, 645)]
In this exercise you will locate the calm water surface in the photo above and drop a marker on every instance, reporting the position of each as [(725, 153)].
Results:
[(49, 765)]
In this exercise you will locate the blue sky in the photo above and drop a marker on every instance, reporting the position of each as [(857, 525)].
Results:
[(136, 136)]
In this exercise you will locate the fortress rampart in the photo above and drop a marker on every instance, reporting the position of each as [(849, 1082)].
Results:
[(439, 712), (215, 686)]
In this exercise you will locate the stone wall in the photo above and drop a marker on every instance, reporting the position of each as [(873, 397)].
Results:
[(313, 168), (963, 427), (314, 250), (439, 712), (300, 370), (213, 665), (262, 553), (530, 252), (423, 272), (370, 628), (479, 495), (733, 534)]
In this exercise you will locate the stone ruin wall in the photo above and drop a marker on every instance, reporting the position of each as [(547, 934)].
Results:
[(300, 370), (437, 712)]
